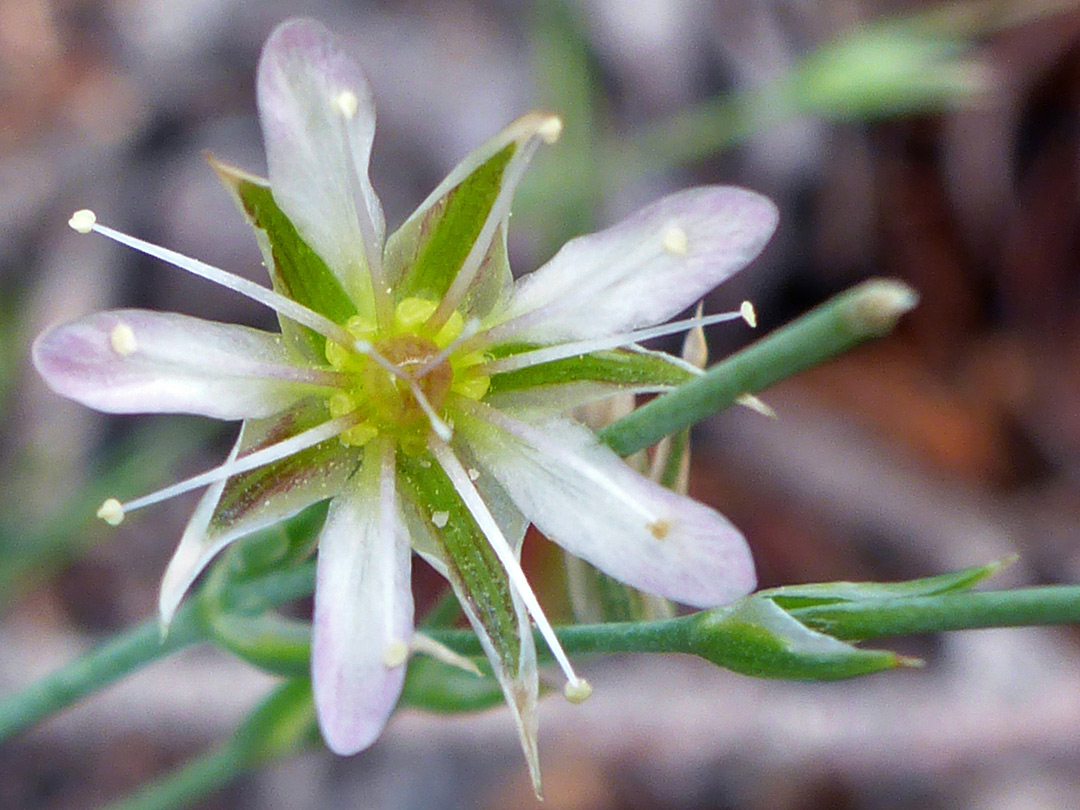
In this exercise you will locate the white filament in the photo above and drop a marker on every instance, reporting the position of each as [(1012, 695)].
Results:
[(478, 509)]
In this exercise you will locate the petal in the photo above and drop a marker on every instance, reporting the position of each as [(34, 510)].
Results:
[(363, 608), (642, 271), (586, 499), (318, 122), (135, 361), (252, 501), (425, 254)]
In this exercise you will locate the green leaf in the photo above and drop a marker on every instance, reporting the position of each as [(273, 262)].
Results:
[(616, 367), (296, 270), (757, 637), (826, 593), (449, 229), (438, 687)]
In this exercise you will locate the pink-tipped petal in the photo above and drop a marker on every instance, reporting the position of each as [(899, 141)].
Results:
[(586, 499), (136, 361), (363, 608), (318, 122), (643, 270)]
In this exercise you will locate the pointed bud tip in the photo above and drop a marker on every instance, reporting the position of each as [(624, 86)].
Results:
[(577, 691), (83, 220), (112, 512), (879, 304)]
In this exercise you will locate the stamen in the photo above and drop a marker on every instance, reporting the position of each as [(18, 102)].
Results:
[(260, 458), (83, 220), (122, 340), (111, 512), (561, 351), (746, 310), (440, 519), (256, 292), (478, 509), (440, 652), (512, 175), (347, 103), (675, 240), (395, 654)]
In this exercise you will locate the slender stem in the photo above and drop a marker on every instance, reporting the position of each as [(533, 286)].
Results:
[(195, 779), (136, 648), (96, 669), (868, 310), (878, 618)]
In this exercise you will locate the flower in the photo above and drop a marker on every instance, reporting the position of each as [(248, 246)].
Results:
[(421, 389)]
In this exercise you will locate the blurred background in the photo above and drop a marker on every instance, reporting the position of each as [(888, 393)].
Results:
[(936, 144)]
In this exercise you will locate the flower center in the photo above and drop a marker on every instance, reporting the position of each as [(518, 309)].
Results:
[(392, 399), (398, 385)]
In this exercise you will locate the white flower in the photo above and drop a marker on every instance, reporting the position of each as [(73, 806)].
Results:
[(420, 388)]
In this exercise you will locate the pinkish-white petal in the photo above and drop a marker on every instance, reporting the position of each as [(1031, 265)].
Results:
[(251, 501), (318, 122), (586, 499), (641, 271), (136, 361), (363, 608)]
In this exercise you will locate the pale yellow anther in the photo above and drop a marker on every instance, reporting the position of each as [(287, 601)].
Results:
[(347, 103), (83, 220), (111, 512), (746, 310), (675, 240), (122, 339), (474, 387), (550, 130), (395, 654), (577, 691), (659, 529), (340, 404), (440, 518), (359, 435), (473, 474)]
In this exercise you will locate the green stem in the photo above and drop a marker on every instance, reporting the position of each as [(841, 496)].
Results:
[(97, 669), (197, 778), (868, 310), (136, 648), (878, 618), (1050, 604)]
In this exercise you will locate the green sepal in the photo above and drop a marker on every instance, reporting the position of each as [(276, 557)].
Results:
[(435, 686), (282, 724), (429, 254), (618, 367), (473, 566), (284, 544), (296, 270), (757, 637), (827, 593)]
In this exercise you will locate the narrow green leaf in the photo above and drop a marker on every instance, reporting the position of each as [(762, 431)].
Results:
[(826, 593), (270, 642), (280, 725)]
